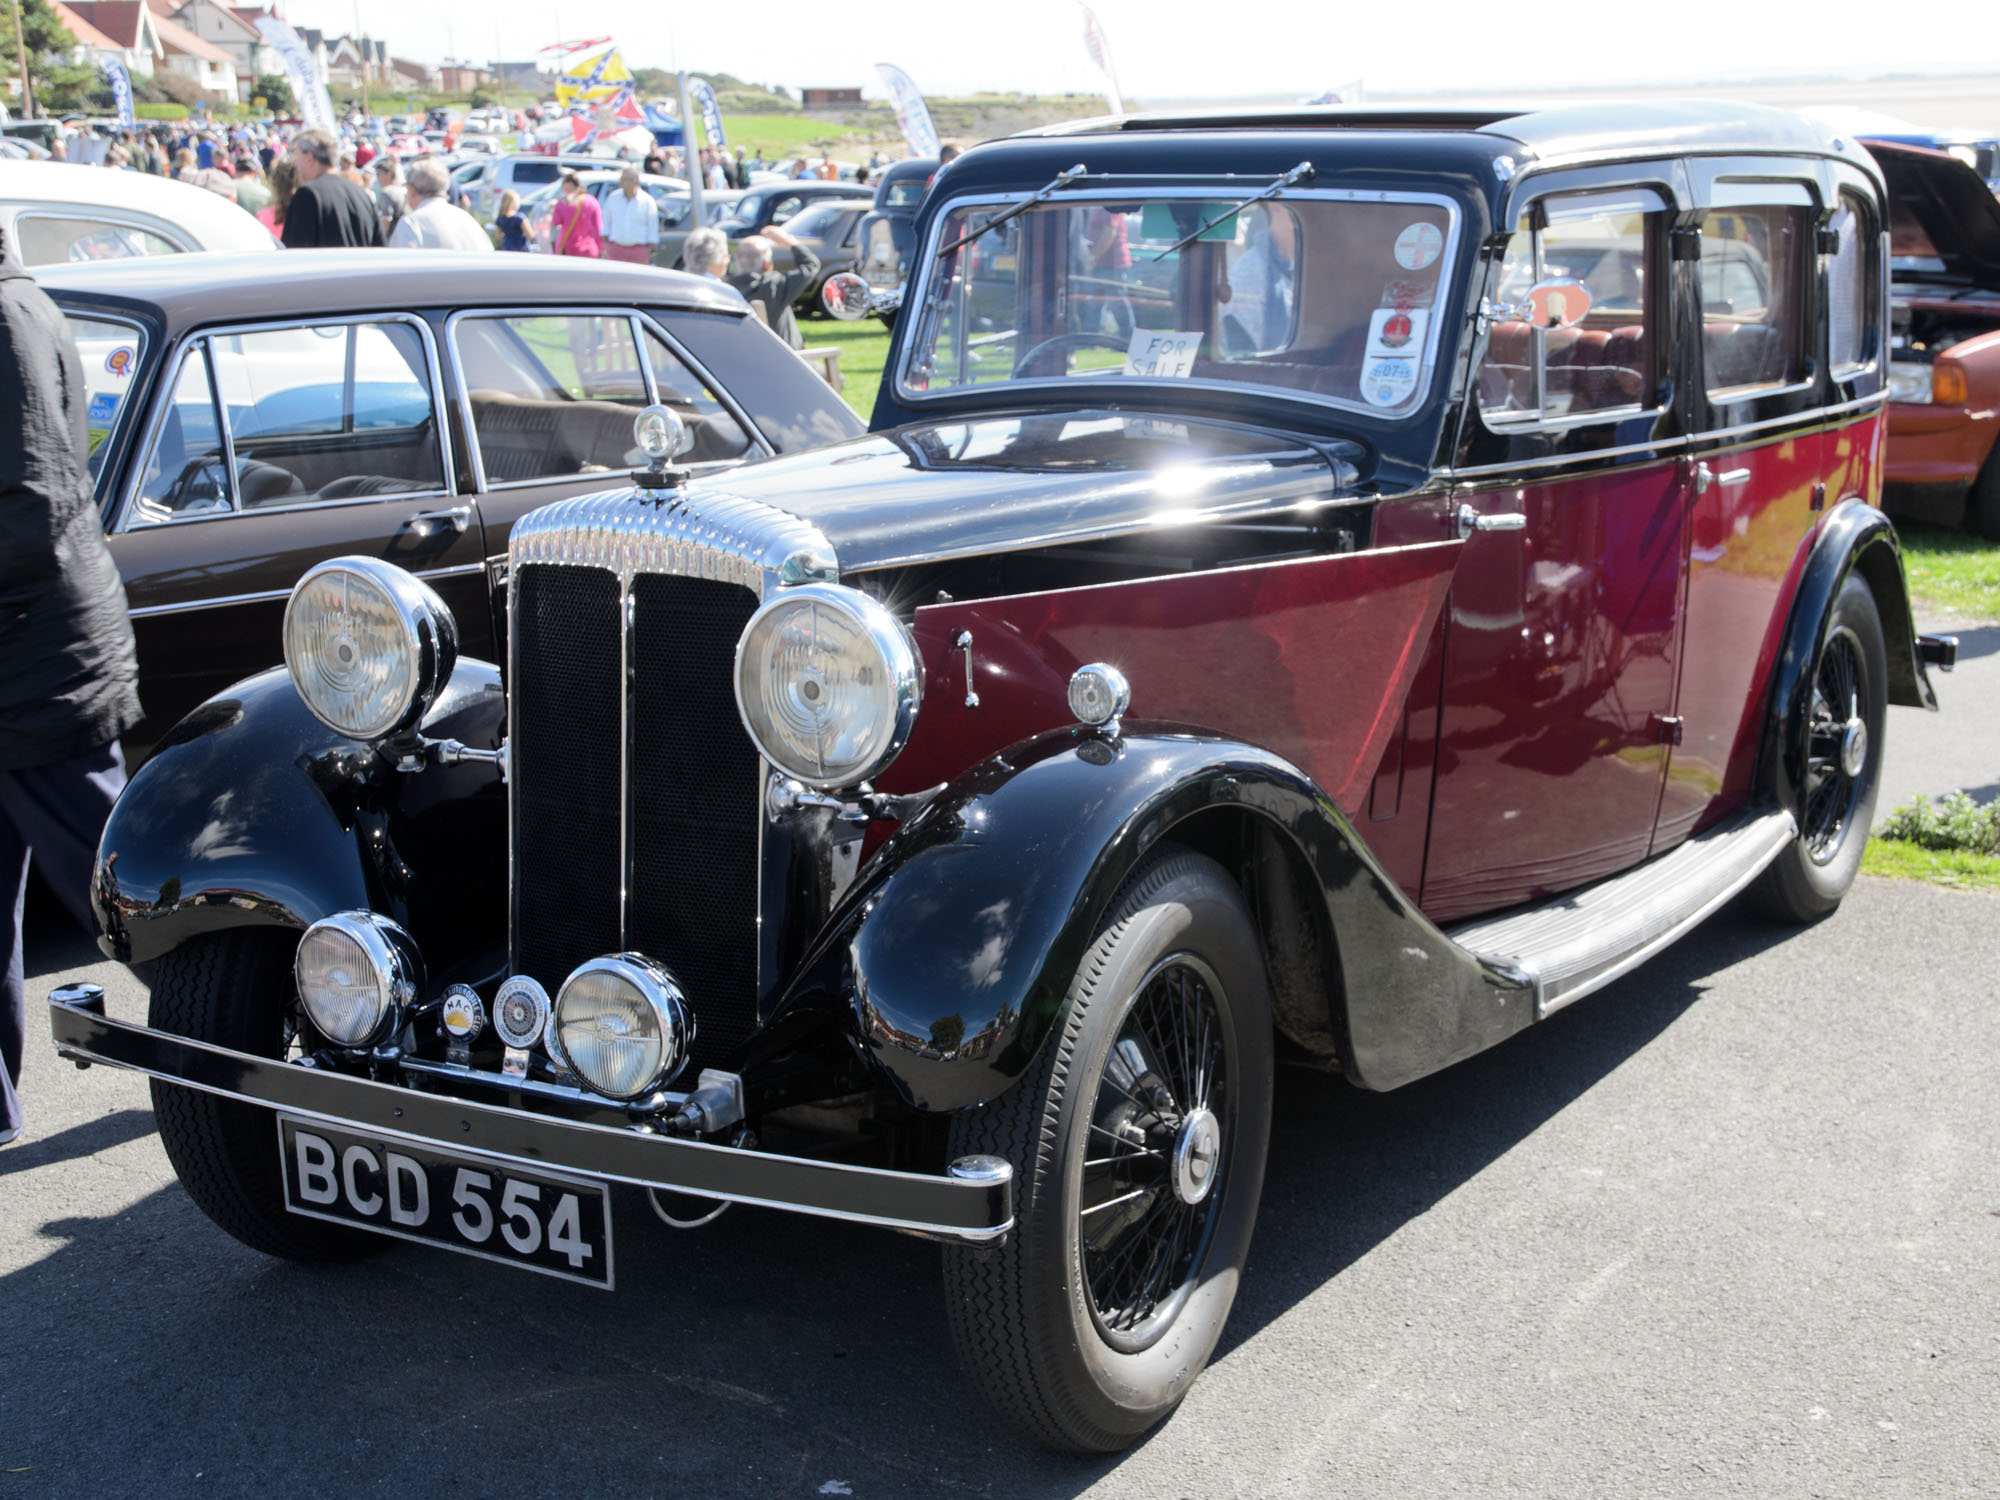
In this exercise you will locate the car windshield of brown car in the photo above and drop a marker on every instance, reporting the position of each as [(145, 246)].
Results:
[(1319, 295)]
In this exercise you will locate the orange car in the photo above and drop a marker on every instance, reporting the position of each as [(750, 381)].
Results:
[(1944, 346)]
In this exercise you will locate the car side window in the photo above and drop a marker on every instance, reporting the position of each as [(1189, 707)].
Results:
[(716, 436), (185, 473), (48, 240), (336, 411), (1850, 288), (1753, 295), (552, 395), (1615, 244), (785, 207)]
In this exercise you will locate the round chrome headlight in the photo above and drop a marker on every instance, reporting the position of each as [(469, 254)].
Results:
[(827, 683), (369, 646), (622, 1025), (355, 971)]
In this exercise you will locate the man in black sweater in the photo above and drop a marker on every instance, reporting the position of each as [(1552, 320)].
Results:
[(69, 678), (327, 211)]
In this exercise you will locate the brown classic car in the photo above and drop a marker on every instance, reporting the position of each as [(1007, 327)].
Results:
[(250, 417)]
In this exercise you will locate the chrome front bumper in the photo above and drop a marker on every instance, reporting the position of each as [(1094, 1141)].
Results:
[(973, 1203)]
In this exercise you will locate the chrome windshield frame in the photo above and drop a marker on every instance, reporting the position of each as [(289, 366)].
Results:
[(1449, 287)]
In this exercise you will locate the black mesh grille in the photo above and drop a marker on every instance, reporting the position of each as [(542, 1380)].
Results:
[(563, 743), (697, 803)]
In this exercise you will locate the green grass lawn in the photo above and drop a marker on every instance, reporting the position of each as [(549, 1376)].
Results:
[(1898, 860), (783, 135), (1952, 570), (863, 347)]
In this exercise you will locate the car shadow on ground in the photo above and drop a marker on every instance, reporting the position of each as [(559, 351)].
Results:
[(768, 1354)]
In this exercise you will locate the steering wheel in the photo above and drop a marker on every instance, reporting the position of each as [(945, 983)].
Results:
[(1071, 341), (203, 485)]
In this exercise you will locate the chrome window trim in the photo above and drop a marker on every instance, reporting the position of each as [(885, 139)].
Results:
[(1718, 437), (927, 258), (266, 596), (640, 320), (156, 419), (111, 216), (85, 312)]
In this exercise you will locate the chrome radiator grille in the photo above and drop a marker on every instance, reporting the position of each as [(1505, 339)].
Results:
[(636, 794)]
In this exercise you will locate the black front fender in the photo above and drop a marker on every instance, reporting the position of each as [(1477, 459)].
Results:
[(954, 952), (1855, 538), (252, 813)]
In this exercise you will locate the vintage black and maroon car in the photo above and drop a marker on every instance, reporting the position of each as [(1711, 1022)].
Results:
[(253, 416), (1328, 587)]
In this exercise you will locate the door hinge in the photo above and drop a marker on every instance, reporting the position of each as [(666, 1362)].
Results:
[(1670, 728)]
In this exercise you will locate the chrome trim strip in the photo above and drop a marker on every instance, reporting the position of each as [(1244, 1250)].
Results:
[(163, 402), (266, 595), (633, 317), (599, 1152), (927, 258)]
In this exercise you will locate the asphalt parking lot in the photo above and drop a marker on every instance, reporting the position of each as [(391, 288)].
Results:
[(1731, 1227)]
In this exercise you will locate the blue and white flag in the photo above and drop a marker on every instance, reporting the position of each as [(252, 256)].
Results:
[(308, 88), (911, 111), (121, 89), (703, 98)]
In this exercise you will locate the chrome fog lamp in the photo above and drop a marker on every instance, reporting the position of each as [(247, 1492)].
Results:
[(622, 1025), (1099, 696), (661, 433), (827, 682), (355, 971), (369, 646)]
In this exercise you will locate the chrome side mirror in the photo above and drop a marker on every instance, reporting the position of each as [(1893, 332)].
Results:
[(847, 297)]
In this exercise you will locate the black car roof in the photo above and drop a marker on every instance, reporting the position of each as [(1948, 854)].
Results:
[(1567, 132), (187, 290)]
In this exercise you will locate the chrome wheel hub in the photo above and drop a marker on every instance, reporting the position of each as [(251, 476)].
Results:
[(1197, 1149), (1853, 747)]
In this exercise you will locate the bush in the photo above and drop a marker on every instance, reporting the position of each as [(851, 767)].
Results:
[(276, 91), (1953, 822), (178, 87)]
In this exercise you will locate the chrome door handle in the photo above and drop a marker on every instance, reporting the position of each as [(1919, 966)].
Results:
[(1704, 476), (1470, 520), (431, 522), (1733, 476)]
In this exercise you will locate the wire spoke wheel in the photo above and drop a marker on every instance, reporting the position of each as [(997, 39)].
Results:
[(1148, 1191)]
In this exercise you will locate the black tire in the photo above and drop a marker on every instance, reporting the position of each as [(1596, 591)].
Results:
[(1982, 503), (1178, 951), (1850, 685), (234, 989)]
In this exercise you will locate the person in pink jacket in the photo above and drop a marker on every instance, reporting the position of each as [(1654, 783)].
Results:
[(576, 227)]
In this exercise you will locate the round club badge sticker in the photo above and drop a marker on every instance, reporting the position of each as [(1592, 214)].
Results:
[(1418, 246), (1388, 382)]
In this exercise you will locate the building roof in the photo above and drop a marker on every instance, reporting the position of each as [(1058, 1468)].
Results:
[(122, 22), (247, 28), (177, 38), (86, 34)]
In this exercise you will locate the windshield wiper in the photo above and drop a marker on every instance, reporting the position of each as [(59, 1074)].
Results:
[(1303, 172), (1063, 180)]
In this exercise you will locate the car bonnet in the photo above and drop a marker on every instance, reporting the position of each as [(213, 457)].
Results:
[(1952, 204)]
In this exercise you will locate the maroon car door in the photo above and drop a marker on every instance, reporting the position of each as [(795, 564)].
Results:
[(268, 449), (1561, 642)]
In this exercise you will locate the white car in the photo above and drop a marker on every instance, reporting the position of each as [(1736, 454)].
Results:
[(55, 213)]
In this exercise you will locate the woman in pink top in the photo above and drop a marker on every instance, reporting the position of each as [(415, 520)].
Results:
[(576, 227)]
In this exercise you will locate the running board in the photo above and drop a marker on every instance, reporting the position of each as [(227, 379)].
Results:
[(1582, 940)]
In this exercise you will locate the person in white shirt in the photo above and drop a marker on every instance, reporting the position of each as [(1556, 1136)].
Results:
[(631, 221), (432, 223)]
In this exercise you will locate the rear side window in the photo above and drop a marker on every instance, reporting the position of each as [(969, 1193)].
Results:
[(46, 240), (1850, 288), (1615, 244), (1753, 259), (528, 172), (907, 193)]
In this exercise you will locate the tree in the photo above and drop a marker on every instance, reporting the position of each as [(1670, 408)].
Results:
[(48, 40), (277, 92)]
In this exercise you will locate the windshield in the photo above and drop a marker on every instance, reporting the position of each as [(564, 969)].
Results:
[(110, 354), (1321, 295)]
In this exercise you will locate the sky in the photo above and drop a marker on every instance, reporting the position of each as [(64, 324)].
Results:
[(1190, 49)]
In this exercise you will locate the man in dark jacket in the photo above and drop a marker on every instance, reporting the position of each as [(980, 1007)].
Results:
[(69, 679), (771, 293), (327, 211)]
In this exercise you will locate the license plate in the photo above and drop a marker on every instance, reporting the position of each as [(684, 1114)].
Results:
[(560, 1226)]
